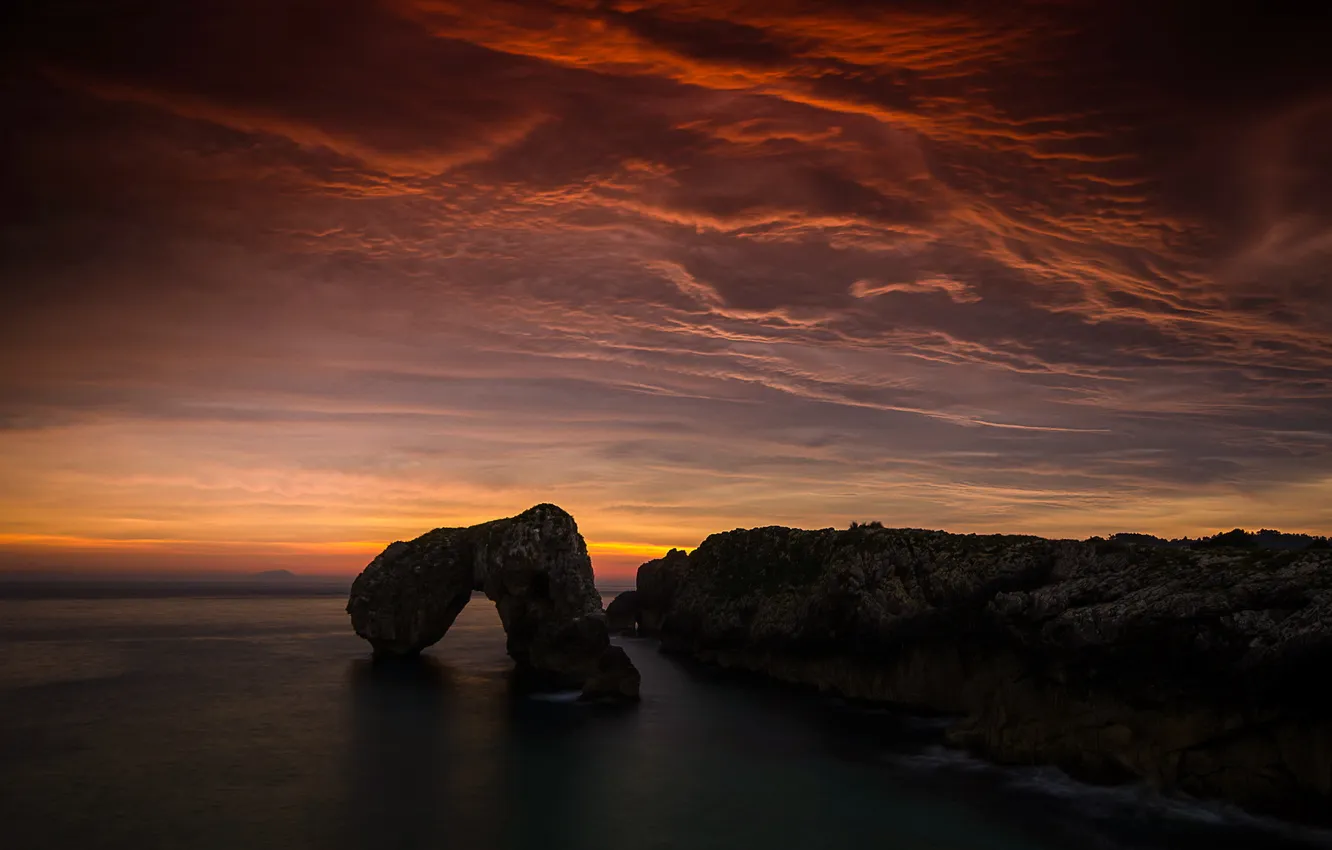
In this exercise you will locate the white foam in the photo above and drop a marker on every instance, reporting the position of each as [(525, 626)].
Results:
[(1111, 801)]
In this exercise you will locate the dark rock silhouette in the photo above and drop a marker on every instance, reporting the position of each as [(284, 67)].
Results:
[(534, 567), (1237, 538), (616, 678), (1201, 671), (657, 582), (622, 613)]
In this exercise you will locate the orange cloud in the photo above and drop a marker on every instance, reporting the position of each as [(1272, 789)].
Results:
[(677, 266), (425, 161)]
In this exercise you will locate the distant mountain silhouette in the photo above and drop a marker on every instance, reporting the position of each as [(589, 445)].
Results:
[(275, 575)]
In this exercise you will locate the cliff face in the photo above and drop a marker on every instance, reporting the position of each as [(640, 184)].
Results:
[(534, 567), (657, 583), (1200, 671)]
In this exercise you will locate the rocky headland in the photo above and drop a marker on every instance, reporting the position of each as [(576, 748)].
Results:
[(1201, 671), (534, 567)]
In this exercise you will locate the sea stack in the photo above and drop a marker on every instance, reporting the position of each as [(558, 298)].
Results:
[(533, 566)]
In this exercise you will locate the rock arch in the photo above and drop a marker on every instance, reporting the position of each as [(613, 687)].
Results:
[(533, 566)]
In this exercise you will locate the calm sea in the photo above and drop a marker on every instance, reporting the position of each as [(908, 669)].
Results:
[(175, 717)]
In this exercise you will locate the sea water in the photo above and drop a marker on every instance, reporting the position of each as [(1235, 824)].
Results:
[(177, 716)]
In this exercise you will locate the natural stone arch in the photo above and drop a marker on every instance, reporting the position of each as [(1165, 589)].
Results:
[(534, 567)]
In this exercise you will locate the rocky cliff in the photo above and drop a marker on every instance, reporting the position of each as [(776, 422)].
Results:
[(622, 613), (656, 584), (1198, 671), (534, 567)]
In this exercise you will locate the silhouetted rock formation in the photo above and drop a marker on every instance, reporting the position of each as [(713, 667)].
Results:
[(622, 613), (1237, 538), (657, 582), (616, 678), (1198, 670), (533, 566)]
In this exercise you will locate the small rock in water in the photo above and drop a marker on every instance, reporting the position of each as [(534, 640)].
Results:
[(616, 678)]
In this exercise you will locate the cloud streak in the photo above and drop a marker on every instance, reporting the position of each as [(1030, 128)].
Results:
[(677, 266)]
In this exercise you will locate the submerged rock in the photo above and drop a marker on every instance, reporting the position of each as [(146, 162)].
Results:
[(1198, 671), (622, 613), (534, 567)]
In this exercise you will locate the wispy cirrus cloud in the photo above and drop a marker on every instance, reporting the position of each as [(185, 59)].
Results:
[(677, 266)]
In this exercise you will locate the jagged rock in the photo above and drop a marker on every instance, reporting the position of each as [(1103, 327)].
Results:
[(534, 567), (616, 678), (622, 613), (657, 582), (1197, 670)]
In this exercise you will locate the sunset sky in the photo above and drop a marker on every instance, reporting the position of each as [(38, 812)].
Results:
[(285, 281)]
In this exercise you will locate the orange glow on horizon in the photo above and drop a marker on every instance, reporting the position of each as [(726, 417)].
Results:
[(610, 560)]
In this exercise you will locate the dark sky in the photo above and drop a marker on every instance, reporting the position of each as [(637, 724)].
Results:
[(287, 280)]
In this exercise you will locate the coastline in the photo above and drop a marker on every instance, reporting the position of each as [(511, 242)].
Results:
[(1195, 673)]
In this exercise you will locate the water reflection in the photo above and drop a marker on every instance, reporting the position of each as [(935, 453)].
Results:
[(204, 739), (400, 710), (462, 753)]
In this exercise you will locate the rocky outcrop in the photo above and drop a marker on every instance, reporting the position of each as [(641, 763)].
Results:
[(1198, 671), (657, 582), (622, 613), (616, 678), (534, 567)]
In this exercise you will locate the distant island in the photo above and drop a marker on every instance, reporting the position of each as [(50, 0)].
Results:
[(274, 575)]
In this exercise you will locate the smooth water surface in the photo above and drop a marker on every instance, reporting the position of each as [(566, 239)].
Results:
[(258, 720)]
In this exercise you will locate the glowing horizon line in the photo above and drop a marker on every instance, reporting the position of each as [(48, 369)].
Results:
[(78, 542)]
